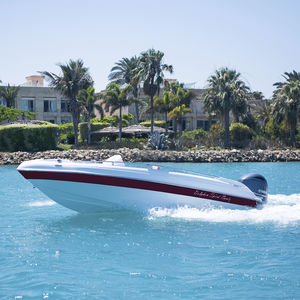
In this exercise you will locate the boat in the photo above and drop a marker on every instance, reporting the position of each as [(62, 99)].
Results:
[(87, 186)]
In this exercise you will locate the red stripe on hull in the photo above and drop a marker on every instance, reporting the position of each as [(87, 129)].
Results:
[(138, 184)]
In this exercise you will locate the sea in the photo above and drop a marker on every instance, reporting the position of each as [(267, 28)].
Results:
[(50, 252)]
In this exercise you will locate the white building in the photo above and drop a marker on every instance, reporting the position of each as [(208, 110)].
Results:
[(49, 104)]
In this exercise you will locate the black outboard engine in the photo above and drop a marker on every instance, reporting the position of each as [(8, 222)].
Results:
[(257, 184)]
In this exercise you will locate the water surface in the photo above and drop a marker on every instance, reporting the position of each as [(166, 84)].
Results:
[(48, 251)]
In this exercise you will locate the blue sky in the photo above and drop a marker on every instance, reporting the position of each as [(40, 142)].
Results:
[(260, 39)]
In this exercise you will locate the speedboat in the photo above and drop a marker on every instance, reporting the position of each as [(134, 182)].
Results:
[(87, 186)]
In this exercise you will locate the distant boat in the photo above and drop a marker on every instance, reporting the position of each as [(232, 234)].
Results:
[(86, 186)]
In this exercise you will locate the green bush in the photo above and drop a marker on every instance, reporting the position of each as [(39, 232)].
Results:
[(193, 138), (278, 132), (28, 138), (216, 135), (240, 135), (66, 133), (11, 114), (195, 134), (94, 127), (260, 142), (156, 123), (114, 120), (298, 139)]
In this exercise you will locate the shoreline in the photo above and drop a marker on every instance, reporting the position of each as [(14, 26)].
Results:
[(136, 155)]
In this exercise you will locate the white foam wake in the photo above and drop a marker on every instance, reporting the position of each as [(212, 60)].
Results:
[(41, 203), (280, 209)]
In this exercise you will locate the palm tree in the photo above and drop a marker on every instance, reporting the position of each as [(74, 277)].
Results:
[(151, 71), (162, 105), (125, 72), (287, 102), (88, 98), (180, 96), (75, 77), (225, 92), (257, 95), (115, 98), (240, 106), (264, 113), (177, 115), (9, 93)]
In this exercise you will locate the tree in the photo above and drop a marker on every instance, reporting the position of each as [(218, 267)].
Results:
[(87, 98), (11, 114), (9, 93), (177, 115), (74, 77), (151, 71), (180, 96), (287, 102), (225, 92), (125, 72), (264, 113), (162, 105), (115, 98), (257, 95)]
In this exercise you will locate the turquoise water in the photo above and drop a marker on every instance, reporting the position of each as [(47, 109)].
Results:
[(50, 252)]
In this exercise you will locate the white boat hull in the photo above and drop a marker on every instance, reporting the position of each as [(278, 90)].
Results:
[(94, 187), (88, 198)]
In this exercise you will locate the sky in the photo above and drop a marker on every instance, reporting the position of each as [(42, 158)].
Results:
[(258, 38)]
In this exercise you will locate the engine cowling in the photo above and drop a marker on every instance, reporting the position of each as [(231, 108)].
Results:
[(257, 184)]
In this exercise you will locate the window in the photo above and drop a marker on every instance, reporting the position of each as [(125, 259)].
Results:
[(183, 124), (49, 105), (2, 102), (27, 104), (188, 125), (199, 107), (64, 106), (204, 124), (200, 124)]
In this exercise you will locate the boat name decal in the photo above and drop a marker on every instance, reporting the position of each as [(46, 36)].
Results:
[(212, 195)]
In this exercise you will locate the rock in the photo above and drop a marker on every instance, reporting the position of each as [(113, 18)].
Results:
[(136, 155)]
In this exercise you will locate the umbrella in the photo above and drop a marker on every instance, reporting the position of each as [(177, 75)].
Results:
[(139, 129), (109, 129)]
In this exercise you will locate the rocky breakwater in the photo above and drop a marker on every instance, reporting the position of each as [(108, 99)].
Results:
[(136, 155)]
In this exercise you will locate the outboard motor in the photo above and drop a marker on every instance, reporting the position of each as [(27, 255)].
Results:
[(257, 184)]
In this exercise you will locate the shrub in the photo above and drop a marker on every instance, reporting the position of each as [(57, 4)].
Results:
[(278, 131), (114, 120), (156, 123), (216, 135), (193, 138), (298, 139), (28, 138), (240, 135), (260, 142), (11, 114), (195, 134), (66, 133), (158, 141), (94, 127)]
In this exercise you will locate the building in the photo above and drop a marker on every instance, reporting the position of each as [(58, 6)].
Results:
[(49, 104), (196, 119)]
